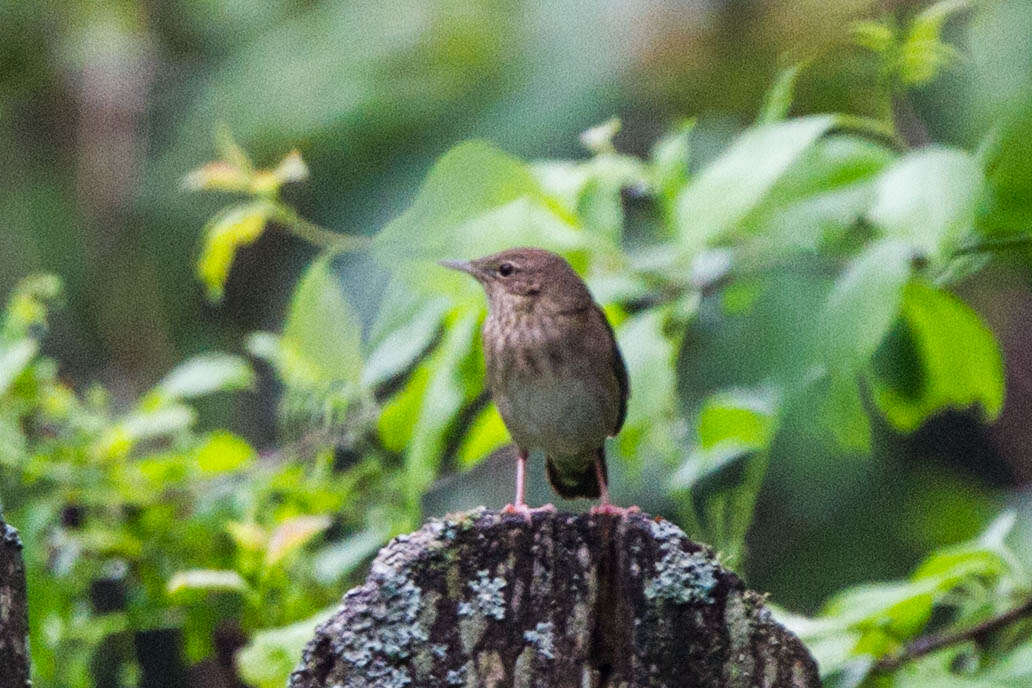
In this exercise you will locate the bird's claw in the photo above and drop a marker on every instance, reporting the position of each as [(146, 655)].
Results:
[(613, 510)]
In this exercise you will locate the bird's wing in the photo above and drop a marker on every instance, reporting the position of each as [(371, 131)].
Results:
[(619, 372)]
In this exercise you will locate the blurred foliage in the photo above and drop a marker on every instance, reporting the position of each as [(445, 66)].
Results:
[(790, 288)]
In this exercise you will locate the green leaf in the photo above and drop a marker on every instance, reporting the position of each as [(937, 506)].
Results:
[(928, 199), (669, 162), (843, 413), (205, 374), (726, 471), (406, 324), (739, 418), (224, 452), (863, 305), (14, 359), (266, 661), (729, 188), (321, 342), (334, 562), (119, 439), (447, 388), (475, 201), (903, 607), (650, 353), (28, 305), (486, 433), (291, 535), (819, 200), (778, 100), (873, 35), (232, 228), (923, 53), (941, 355), (207, 580)]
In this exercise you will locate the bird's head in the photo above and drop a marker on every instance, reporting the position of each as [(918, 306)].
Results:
[(526, 279)]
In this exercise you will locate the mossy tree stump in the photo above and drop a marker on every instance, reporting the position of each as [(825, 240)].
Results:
[(484, 599), (14, 623)]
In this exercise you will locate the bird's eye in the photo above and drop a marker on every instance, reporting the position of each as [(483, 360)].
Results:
[(506, 269)]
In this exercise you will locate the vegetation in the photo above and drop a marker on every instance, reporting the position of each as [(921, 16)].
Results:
[(794, 295)]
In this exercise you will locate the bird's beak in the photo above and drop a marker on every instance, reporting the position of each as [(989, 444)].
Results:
[(462, 266)]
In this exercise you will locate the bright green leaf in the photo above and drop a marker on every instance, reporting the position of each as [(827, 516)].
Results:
[(669, 162), (923, 53), (447, 388), (205, 579), (28, 305), (486, 433), (725, 473), (941, 355), (223, 452), (873, 35), (232, 228), (820, 198)]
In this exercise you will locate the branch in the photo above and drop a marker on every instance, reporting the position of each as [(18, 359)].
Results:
[(931, 643), (995, 245)]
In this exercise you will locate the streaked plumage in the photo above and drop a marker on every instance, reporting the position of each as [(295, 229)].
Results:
[(553, 366)]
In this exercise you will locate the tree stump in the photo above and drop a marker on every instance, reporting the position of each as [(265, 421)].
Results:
[(14, 622), (485, 599)]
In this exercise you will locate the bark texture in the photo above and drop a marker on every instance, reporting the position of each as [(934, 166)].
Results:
[(14, 623), (484, 599)]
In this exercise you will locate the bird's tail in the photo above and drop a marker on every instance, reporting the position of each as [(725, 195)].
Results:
[(573, 477)]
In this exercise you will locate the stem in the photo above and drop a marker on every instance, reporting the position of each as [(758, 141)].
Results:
[(871, 128), (995, 245), (315, 234), (930, 643)]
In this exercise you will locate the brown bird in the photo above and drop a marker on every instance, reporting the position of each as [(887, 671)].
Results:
[(553, 368)]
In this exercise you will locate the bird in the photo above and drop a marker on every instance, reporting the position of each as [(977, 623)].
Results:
[(554, 370)]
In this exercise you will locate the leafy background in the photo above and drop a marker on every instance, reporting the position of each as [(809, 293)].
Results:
[(226, 384)]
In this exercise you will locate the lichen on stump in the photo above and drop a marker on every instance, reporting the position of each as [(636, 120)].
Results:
[(484, 599), (14, 653)]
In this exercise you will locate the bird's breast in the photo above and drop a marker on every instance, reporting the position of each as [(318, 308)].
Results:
[(550, 393)]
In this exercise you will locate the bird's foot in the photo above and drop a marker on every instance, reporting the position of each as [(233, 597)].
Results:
[(614, 510), (526, 512)]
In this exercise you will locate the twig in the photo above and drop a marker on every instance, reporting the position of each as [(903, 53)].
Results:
[(930, 643), (314, 234)]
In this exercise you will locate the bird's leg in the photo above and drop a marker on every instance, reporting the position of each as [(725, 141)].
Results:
[(519, 505), (605, 506)]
